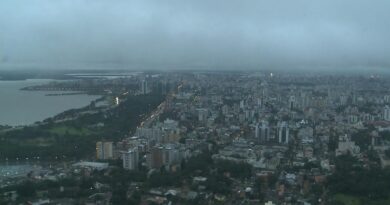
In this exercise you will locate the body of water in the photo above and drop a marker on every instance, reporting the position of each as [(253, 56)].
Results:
[(10, 171), (19, 107)]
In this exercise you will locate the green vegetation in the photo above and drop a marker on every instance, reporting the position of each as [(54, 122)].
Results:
[(118, 179), (385, 135), (354, 184), (199, 163), (160, 179), (68, 130), (76, 138), (4, 127), (343, 199), (236, 170), (121, 181), (26, 189), (347, 199), (362, 139), (341, 109), (367, 108)]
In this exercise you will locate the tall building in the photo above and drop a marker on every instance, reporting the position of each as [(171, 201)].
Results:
[(162, 155), (345, 145), (225, 109), (202, 114), (144, 87), (242, 104), (257, 131), (283, 132), (259, 102), (343, 99), (130, 159), (104, 150), (305, 100), (386, 98), (262, 131), (156, 157), (386, 113), (168, 155), (291, 102), (264, 90)]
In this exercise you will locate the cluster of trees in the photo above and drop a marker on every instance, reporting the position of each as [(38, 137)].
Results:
[(4, 127), (362, 139), (119, 180), (239, 170), (117, 122), (385, 135), (353, 179), (203, 165), (73, 188), (200, 163), (126, 116), (166, 179), (70, 146), (122, 119)]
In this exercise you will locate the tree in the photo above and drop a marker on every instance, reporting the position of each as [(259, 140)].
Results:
[(218, 184), (362, 139), (239, 170), (26, 189), (387, 153), (135, 198)]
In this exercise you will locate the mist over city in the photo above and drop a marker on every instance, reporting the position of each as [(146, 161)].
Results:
[(194, 102), (220, 34)]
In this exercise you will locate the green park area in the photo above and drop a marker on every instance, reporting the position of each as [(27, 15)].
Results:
[(346, 199), (69, 130), (354, 184), (76, 138)]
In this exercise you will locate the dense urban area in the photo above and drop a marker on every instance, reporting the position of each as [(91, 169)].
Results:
[(206, 138)]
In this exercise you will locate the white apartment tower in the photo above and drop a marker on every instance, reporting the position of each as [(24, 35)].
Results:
[(283, 133), (386, 113), (291, 102), (262, 131), (130, 159), (144, 87)]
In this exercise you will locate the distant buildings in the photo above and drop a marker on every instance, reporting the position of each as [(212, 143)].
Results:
[(104, 150), (386, 113), (164, 155), (130, 159), (292, 103), (345, 146), (252, 121), (144, 87), (202, 114), (283, 132), (262, 131), (91, 165), (155, 158)]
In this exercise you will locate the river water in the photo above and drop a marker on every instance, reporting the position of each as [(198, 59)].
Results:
[(19, 107)]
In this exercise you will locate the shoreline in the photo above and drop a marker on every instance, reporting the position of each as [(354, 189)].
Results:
[(25, 106)]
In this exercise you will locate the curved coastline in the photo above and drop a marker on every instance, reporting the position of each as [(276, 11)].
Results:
[(20, 107)]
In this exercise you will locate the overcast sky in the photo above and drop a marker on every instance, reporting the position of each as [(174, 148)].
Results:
[(199, 33)]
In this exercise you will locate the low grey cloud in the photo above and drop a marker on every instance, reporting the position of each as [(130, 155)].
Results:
[(201, 33)]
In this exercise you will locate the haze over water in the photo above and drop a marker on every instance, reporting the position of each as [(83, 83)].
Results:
[(19, 107)]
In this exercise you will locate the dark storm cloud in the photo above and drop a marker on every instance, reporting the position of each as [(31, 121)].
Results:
[(202, 33)]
